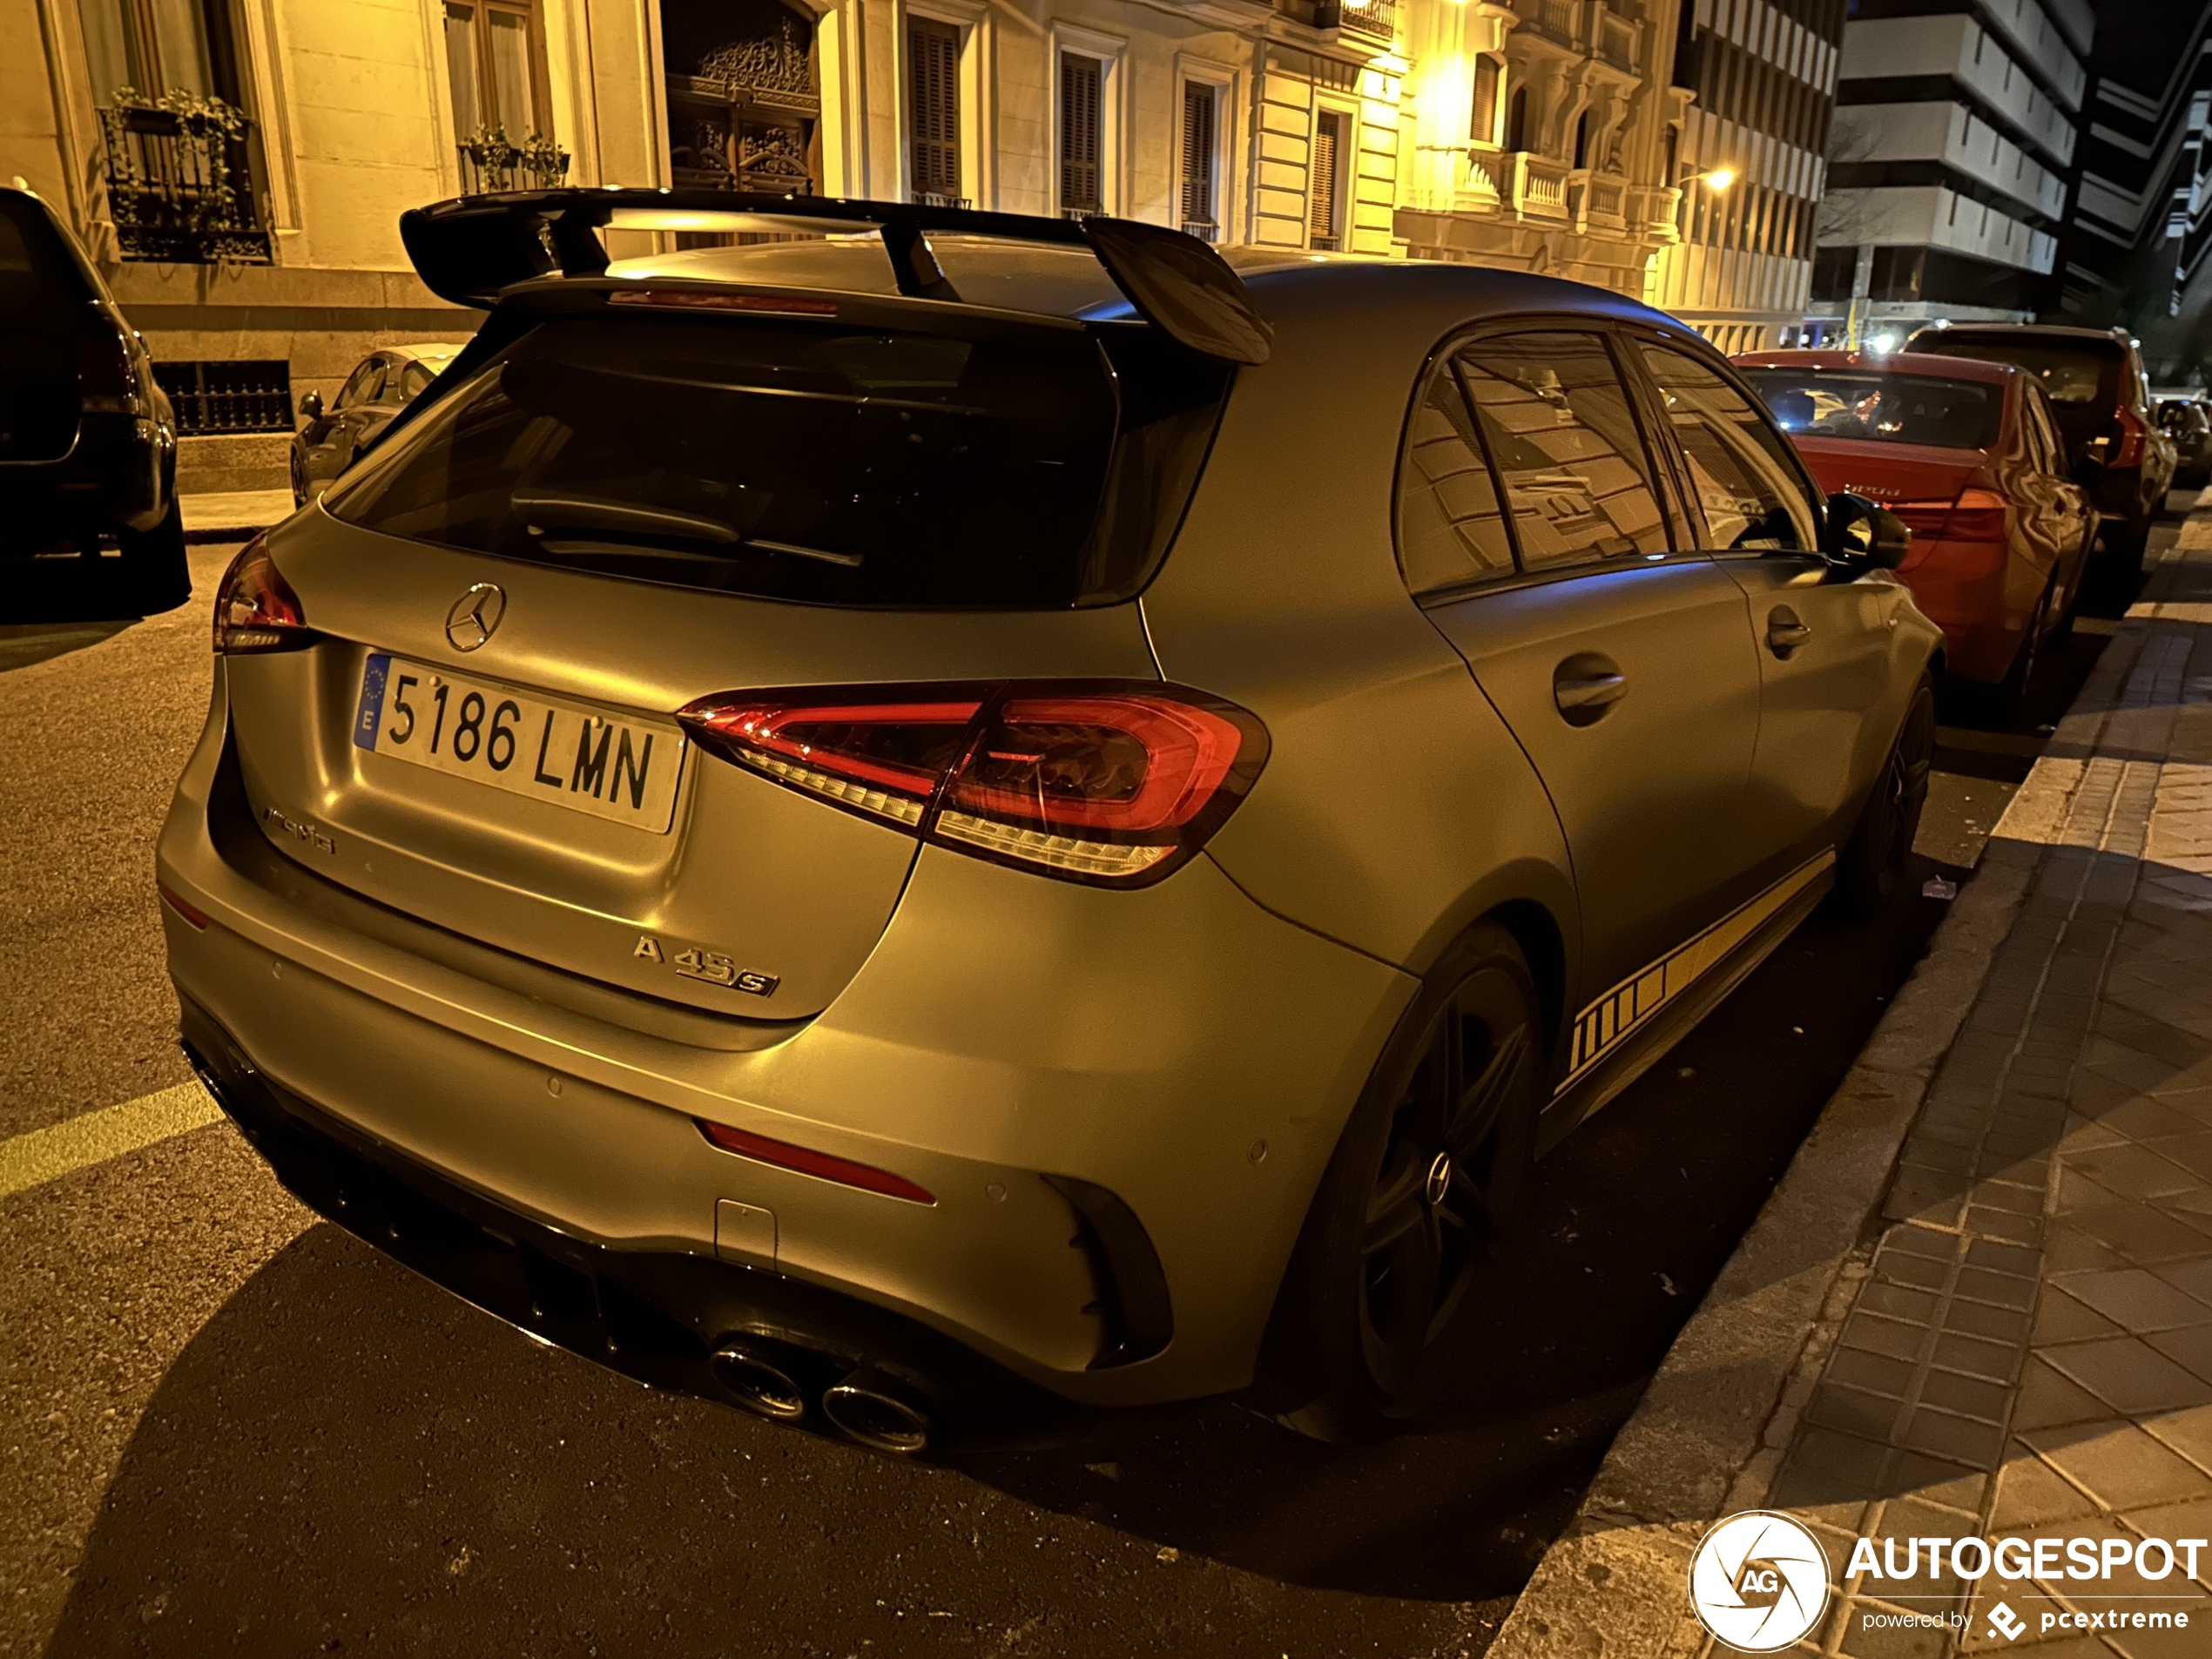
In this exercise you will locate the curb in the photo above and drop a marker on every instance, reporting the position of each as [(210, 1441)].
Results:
[(1708, 1436)]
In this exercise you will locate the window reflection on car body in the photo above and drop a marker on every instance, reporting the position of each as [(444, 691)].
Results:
[(542, 509)]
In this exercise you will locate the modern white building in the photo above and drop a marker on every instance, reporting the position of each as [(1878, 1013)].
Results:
[(1955, 136), (1753, 85)]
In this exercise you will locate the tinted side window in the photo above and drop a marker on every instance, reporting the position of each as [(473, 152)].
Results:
[(368, 381), (1556, 421), (2048, 447), (412, 379), (1450, 529), (1739, 466)]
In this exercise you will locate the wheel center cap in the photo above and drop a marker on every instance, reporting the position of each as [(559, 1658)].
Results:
[(1439, 1178)]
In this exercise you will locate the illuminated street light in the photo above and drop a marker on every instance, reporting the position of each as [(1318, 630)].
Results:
[(1719, 178)]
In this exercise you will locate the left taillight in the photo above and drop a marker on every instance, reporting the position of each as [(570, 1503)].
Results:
[(1109, 784), (1977, 515), (255, 608), (107, 379), (2133, 433)]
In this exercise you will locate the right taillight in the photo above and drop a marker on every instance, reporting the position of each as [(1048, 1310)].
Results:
[(1113, 784), (255, 609), (106, 382)]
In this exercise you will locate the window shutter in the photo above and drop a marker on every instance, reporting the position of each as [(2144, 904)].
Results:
[(933, 52), (1198, 161), (1322, 179), (1079, 134)]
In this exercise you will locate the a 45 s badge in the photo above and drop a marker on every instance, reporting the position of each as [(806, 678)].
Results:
[(711, 967)]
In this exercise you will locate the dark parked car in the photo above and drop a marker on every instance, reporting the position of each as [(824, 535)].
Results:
[(383, 384), (88, 446), (2189, 423), (2096, 381)]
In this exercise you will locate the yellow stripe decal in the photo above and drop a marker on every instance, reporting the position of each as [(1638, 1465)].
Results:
[(1628, 1006)]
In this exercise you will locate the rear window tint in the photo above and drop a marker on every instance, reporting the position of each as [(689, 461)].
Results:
[(813, 461), (36, 269), (1882, 408)]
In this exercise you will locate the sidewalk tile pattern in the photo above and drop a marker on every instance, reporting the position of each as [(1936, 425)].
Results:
[(2030, 1354)]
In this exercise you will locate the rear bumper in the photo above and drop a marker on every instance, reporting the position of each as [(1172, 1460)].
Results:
[(657, 1315), (117, 477), (1016, 1053)]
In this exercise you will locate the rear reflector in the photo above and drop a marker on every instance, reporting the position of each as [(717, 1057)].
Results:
[(198, 918), (1115, 783), (806, 1161), (255, 609)]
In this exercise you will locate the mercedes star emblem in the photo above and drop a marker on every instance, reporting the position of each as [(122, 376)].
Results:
[(475, 615)]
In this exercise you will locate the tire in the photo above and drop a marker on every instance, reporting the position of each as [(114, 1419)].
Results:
[(1871, 865), (2123, 548), (1429, 1173), (156, 570)]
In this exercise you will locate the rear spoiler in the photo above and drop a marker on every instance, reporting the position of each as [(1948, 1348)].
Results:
[(471, 249)]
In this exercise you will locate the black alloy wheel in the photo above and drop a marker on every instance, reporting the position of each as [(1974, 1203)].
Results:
[(1448, 1180), (1425, 1177), (1872, 861)]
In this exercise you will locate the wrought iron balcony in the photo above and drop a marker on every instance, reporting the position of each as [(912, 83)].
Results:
[(180, 180), (938, 199), (1377, 19)]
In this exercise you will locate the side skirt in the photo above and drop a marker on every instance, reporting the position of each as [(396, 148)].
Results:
[(1625, 1032)]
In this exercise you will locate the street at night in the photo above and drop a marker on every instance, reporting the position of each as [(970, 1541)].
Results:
[(236, 1428)]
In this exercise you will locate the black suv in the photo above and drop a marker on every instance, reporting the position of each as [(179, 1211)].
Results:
[(88, 445), (2099, 392)]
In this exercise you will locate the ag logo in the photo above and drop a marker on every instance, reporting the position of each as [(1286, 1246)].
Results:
[(1759, 1581)]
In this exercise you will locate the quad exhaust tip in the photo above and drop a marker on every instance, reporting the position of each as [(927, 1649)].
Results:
[(880, 1411), (757, 1382)]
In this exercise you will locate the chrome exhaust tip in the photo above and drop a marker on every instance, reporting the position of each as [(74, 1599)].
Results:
[(757, 1382), (880, 1411)]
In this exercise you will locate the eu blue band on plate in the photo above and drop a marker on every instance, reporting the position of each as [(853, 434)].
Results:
[(372, 709)]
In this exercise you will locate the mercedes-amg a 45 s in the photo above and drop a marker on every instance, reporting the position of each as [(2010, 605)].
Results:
[(976, 816)]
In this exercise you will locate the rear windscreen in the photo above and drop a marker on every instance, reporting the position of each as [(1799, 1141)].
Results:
[(810, 461), (1882, 408), (44, 298), (2077, 378)]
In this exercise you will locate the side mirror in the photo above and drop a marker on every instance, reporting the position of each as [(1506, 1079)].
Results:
[(2087, 470), (1862, 537), (311, 405)]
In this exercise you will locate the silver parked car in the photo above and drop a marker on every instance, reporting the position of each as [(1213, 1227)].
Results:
[(383, 384), (915, 832)]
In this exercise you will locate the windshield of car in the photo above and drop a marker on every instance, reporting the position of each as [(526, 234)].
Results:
[(813, 461), (2075, 377), (1882, 408)]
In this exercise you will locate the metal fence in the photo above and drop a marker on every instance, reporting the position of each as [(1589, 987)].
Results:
[(234, 397)]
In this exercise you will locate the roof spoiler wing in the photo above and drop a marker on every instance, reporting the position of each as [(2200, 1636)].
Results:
[(470, 249)]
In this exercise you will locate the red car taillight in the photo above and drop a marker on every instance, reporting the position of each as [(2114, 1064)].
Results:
[(2132, 434), (106, 382), (1114, 784), (255, 610), (1977, 515)]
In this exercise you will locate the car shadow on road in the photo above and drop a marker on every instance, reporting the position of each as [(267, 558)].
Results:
[(344, 1442), (50, 607)]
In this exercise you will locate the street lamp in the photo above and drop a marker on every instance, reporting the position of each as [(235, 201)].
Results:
[(1715, 179)]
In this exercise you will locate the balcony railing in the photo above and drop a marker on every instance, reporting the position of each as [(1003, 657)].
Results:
[(1377, 19), (1204, 229), (938, 199), (179, 181), (489, 161)]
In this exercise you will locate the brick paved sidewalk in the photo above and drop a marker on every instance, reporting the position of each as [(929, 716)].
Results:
[(2030, 1351), (2021, 1344)]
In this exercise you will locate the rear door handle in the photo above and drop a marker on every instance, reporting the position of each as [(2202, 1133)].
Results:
[(1594, 693), (1784, 632)]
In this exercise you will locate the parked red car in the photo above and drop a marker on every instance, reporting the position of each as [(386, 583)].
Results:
[(1969, 454)]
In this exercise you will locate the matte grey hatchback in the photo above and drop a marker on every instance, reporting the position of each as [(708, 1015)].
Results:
[(977, 816)]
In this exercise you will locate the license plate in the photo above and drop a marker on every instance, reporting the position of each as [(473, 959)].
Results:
[(612, 766)]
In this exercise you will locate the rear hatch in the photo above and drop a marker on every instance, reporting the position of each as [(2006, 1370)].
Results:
[(46, 306), (2080, 376), (647, 504)]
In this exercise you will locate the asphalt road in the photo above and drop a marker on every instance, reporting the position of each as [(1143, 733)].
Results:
[(231, 1428)]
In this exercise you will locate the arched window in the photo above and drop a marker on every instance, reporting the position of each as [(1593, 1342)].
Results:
[(1517, 119)]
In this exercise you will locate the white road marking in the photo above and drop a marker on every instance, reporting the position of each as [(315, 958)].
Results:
[(45, 1155)]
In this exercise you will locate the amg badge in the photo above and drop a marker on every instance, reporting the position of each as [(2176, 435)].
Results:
[(708, 965)]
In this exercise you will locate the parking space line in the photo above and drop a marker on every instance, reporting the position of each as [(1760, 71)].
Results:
[(43, 1155)]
